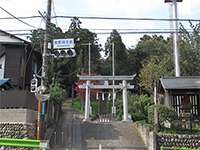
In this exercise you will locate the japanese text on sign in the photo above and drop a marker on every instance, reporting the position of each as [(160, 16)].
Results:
[(63, 43)]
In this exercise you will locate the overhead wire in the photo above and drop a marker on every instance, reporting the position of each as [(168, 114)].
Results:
[(106, 18), (17, 18), (123, 33)]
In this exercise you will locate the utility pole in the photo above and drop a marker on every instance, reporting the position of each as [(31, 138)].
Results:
[(44, 61), (89, 73), (113, 74), (173, 5), (175, 40), (89, 61), (40, 124)]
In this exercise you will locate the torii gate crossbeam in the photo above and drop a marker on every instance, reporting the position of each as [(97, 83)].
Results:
[(124, 86)]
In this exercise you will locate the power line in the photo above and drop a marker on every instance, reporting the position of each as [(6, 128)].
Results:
[(107, 18), (120, 18), (106, 29), (25, 17), (123, 33), (17, 18)]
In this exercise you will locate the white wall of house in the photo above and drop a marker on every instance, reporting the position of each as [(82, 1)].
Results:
[(2, 66)]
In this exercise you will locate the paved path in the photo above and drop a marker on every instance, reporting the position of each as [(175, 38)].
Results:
[(74, 134)]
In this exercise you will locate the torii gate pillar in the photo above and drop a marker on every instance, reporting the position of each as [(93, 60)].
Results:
[(87, 101), (125, 101)]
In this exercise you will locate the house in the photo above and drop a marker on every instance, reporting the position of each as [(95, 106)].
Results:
[(18, 106), (183, 94), (18, 60)]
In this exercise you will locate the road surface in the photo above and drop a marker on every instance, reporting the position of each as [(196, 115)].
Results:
[(74, 134)]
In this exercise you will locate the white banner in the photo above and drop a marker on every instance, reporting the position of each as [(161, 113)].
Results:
[(63, 43)]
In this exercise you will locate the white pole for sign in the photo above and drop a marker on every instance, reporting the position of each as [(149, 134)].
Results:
[(113, 73), (87, 100), (125, 101)]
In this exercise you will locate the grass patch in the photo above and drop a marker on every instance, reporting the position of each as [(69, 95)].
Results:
[(76, 105)]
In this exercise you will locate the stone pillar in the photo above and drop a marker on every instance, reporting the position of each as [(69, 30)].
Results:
[(87, 101), (125, 101)]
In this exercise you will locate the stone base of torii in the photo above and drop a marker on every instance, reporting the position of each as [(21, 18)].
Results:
[(124, 86)]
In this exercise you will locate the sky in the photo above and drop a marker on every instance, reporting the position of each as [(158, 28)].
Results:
[(102, 8)]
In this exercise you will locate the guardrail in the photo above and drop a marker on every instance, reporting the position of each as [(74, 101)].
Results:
[(24, 143)]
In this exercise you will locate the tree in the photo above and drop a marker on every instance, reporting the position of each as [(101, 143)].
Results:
[(82, 37), (147, 47), (152, 71), (37, 36), (121, 55), (190, 50), (151, 59), (57, 94), (64, 70)]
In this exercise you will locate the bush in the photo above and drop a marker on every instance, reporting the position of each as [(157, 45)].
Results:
[(95, 109), (76, 105), (164, 114), (57, 94), (137, 107)]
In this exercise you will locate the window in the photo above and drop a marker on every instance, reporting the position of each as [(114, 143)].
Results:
[(184, 102)]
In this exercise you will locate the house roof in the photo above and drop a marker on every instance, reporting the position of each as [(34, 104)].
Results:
[(7, 38), (6, 83), (3, 81), (189, 82)]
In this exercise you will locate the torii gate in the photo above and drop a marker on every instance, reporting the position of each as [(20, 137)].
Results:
[(123, 86)]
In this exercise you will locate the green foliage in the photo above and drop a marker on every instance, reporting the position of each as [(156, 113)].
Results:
[(95, 109), (146, 48), (37, 37), (64, 70), (76, 105), (190, 50), (57, 94), (137, 106), (164, 114), (151, 72), (121, 54)]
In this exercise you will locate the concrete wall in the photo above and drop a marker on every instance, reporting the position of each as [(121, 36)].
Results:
[(17, 99), (148, 137), (25, 116), (179, 140)]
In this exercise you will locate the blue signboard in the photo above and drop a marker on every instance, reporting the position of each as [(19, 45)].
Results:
[(63, 43)]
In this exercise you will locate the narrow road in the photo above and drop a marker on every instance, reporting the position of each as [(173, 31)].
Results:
[(74, 134)]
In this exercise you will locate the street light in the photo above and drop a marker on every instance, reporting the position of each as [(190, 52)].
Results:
[(175, 34)]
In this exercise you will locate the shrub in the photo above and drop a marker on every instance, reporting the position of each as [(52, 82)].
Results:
[(57, 94), (137, 106), (76, 104), (164, 114)]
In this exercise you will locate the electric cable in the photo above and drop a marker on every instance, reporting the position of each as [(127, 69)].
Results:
[(17, 18), (106, 18)]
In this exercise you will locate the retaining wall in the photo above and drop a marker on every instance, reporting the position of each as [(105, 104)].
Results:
[(148, 137), (24, 116), (178, 140), (19, 131)]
